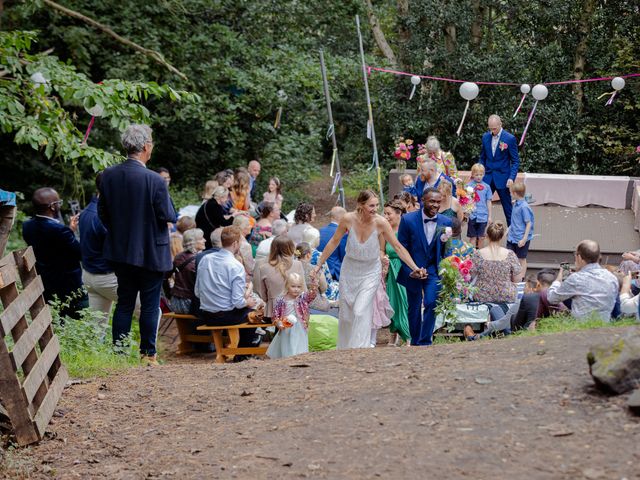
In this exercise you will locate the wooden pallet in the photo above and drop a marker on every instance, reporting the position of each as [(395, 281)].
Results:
[(32, 376)]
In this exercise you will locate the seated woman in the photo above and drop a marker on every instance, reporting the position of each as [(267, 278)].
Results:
[(245, 256), (269, 212), (240, 197), (630, 262), (457, 247), (183, 224), (312, 237), (450, 207), (269, 277), (628, 301), (496, 270), (320, 302), (184, 271), (274, 192), (211, 214), (305, 214)]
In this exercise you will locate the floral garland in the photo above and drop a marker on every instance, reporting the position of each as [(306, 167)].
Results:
[(468, 197)]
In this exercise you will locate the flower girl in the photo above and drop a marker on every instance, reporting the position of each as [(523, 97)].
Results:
[(291, 316)]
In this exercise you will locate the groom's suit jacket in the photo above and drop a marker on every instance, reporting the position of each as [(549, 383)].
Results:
[(411, 235), (503, 165)]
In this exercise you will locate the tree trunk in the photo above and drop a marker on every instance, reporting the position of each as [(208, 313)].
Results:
[(378, 35), (584, 32), (404, 34), (476, 26), (450, 39)]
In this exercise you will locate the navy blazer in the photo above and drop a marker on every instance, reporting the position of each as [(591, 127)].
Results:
[(135, 208), (420, 185), (504, 164), (411, 236), (334, 262), (57, 255)]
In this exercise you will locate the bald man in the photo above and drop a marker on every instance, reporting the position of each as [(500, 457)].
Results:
[(254, 170), (334, 262), (499, 155), (57, 252)]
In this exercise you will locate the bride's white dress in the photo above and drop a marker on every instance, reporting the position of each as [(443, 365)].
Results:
[(359, 279)]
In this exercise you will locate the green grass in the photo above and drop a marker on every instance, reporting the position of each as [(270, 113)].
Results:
[(555, 324), (86, 349)]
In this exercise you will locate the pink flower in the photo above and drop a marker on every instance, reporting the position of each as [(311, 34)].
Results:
[(503, 146), (467, 278), (638, 149), (465, 271)]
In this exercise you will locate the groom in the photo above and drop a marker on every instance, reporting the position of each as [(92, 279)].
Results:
[(420, 233)]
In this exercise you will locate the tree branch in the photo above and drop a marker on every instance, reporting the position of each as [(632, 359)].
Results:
[(157, 56), (378, 35), (579, 62)]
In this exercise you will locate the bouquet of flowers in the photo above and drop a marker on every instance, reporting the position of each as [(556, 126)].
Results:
[(455, 278), (468, 197), (403, 153)]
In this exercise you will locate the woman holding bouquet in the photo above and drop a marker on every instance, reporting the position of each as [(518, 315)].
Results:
[(393, 212)]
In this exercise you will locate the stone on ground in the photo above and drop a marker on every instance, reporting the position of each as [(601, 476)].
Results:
[(615, 365)]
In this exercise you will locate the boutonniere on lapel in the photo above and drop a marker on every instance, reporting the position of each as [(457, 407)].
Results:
[(445, 233), (503, 146)]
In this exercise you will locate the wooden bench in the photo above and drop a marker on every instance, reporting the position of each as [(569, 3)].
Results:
[(226, 353), (184, 323)]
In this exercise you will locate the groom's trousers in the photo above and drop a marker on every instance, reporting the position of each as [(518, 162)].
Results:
[(421, 324), (505, 200)]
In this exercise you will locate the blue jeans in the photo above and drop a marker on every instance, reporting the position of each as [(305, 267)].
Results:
[(131, 281)]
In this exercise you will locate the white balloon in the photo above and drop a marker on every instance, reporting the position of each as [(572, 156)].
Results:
[(96, 111), (38, 79), (525, 88), (617, 83), (540, 92), (469, 90), (415, 80)]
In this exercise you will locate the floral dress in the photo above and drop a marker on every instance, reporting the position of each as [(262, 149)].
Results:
[(446, 163), (493, 278), (333, 286), (295, 339)]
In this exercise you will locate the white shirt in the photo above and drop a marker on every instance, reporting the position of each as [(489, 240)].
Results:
[(264, 247), (220, 282), (429, 228), (629, 304), (495, 139)]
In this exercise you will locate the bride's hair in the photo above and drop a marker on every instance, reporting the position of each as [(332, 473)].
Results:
[(363, 197), (281, 254)]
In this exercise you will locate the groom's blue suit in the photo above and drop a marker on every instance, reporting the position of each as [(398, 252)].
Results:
[(500, 167), (411, 235)]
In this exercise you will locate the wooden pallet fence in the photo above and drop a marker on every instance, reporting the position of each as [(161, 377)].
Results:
[(32, 376)]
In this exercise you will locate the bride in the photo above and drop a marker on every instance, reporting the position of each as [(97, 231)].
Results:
[(361, 269)]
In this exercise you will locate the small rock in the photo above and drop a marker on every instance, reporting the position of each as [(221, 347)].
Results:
[(313, 466), (245, 393), (483, 381), (101, 396), (634, 402), (593, 473)]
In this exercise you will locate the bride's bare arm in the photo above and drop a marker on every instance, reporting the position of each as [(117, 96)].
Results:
[(343, 226)]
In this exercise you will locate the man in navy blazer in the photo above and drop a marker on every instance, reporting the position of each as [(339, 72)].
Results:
[(334, 262), (429, 176), (499, 155), (57, 252), (135, 208), (420, 233)]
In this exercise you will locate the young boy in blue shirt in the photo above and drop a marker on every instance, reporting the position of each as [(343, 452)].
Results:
[(521, 230), (481, 214)]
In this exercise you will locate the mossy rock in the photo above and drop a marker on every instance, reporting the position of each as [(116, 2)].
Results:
[(615, 365)]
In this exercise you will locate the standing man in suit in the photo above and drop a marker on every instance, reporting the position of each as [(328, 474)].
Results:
[(57, 252), (334, 262), (499, 155), (420, 233), (135, 208), (254, 170)]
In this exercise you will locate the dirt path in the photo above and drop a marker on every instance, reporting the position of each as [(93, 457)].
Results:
[(511, 408)]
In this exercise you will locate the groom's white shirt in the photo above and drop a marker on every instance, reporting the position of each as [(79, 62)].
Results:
[(429, 228)]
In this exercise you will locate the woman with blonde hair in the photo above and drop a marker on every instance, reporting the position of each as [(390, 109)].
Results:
[(269, 278), (245, 255), (361, 272), (184, 271), (450, 207)]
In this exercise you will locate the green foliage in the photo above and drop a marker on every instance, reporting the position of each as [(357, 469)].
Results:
[(359, 178), (85, 344), (44, 116)]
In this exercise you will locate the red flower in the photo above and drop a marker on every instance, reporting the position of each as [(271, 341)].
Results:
[(456, 260), (463, 200), (465, 271), (476, 197), (479, 188)]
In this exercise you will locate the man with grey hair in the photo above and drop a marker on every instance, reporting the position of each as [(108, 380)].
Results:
[(134, 207), (499, 156), (254, 170), (278, 227)]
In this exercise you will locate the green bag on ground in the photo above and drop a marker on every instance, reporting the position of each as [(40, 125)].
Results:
[(323, 333)]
